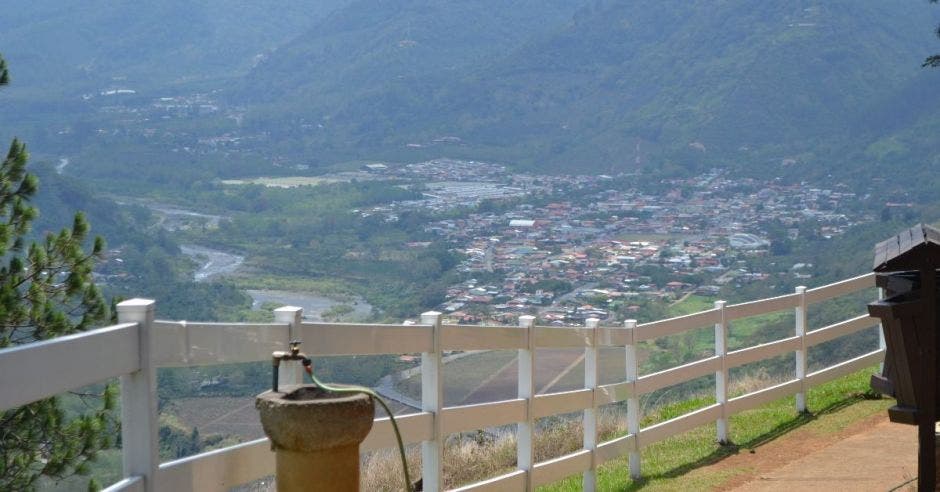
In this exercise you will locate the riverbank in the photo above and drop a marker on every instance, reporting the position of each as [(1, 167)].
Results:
[(314, 304), (212, 263)]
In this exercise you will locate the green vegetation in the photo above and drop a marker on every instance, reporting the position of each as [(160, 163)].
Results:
[(671, 464), (46, 291), (691, 304), (557, 287), (316, 238), (338, 312)]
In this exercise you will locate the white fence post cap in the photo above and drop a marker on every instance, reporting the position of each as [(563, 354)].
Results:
[(136, 304)]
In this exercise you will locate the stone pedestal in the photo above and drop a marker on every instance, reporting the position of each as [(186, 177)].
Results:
[(315, 435)]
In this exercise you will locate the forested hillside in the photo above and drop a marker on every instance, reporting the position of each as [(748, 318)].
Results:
[(780, 86), (796, 89), (60, 48)]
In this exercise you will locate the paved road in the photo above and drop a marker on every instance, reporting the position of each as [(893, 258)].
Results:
[(560, 300)]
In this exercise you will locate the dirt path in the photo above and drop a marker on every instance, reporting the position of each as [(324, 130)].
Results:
[(684, 297), (869, 454), (883, 457)]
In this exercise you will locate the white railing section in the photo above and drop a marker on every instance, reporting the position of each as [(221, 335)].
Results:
[(136, 347)]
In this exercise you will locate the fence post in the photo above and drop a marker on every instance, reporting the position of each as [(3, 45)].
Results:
[(721, 375), (589, 478), (525, 431), (432, 400), (881, 334), (633, 403), (800, 331), (292, 371), (139, 437)]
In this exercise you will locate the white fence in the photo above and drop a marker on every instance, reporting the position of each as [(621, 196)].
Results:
[(136, 347)]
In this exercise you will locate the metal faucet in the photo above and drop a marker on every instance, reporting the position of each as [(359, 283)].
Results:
[(293, 354)]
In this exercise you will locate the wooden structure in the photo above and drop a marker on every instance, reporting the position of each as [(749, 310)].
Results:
[(907, 267)]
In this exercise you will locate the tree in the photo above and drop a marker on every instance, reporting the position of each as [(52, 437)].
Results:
[(933, 60), (46, 290)]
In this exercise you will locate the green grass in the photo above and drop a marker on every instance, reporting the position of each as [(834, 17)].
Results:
[(743, 331), (677, 463), (691, 304), (753, 330), (325, 287)]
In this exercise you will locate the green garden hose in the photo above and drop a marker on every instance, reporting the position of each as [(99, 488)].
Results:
[(375, 396)]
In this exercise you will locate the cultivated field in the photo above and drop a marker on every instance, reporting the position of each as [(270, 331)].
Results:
[(492, 375)]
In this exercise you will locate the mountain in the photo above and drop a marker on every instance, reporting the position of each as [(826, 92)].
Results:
[(373, 67), (796, 88), (66, 57), (779, 85), (371, 44)]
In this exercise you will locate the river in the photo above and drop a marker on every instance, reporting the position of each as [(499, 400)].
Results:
[(212, 262), (60, 167)]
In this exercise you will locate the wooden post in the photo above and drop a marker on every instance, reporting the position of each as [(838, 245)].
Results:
[(432, 400), (633, 403), (721, 375), (525, 431), (291, 371), (589, 478), (927, 418), (139, 437), (799, 329), (912, 333)]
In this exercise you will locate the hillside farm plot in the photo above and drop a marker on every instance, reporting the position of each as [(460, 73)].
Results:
[(493, 375), (234, 416)]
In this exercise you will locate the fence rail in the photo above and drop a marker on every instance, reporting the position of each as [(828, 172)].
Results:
[(139, 345)]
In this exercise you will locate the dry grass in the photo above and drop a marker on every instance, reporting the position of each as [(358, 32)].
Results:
[(755, 381), (381, 470), (475, 456)]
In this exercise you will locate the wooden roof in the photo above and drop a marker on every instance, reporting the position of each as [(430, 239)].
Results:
[(912, 249)]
